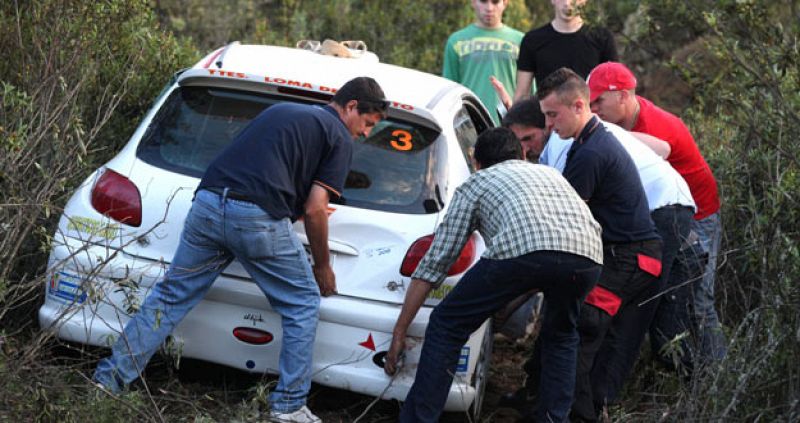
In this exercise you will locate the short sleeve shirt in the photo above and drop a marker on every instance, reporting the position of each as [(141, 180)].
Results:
[(545, 50), (684, 156), (276, 159), (662, 184), (473, 54), (604, 175)]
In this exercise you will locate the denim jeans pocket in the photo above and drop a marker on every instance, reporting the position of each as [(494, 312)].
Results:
[(267, 238)]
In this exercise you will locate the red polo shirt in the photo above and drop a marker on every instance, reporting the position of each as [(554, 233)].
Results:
[(685, 157)]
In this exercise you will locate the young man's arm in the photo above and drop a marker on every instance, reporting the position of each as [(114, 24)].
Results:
[(524, 83), (661, 147), (316, 223), (415, 296), (502, 94), (448, 241)]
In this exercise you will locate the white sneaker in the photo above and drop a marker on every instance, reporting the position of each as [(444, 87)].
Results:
[(303, 415)]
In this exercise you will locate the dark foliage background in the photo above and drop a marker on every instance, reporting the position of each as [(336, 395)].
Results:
[(77, 76)]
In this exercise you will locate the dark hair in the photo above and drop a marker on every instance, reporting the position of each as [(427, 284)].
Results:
[(525, 113), (567, 85), (366, 92), (497, 145)]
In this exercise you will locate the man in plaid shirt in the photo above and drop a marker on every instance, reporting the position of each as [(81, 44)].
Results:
[(539, 234)]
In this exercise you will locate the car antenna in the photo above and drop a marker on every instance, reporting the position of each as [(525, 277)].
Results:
[(222, 55)]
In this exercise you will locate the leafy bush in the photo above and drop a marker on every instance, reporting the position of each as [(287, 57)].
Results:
[(76, 77), (745, 114)]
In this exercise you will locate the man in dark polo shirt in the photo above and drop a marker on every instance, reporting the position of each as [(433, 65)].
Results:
[(285, 164), (604, 175)]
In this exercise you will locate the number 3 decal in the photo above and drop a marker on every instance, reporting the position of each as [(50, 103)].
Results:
[(402, 141)]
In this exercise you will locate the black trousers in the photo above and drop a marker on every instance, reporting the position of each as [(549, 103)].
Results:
[(623, 275)]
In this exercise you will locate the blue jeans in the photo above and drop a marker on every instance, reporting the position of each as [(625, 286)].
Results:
[(565, 280), (217, 230), (713, 344)]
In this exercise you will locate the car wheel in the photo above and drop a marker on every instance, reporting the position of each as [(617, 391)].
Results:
[(480, 378)]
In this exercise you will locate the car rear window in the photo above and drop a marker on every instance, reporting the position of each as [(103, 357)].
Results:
[(393, 169)]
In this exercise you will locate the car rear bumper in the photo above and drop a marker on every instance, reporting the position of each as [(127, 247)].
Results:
[(89, 296)]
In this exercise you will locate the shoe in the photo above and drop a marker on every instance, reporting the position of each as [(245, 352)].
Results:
[(303, 415)]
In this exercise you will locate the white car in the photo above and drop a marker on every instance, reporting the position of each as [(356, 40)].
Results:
[(121, 227)]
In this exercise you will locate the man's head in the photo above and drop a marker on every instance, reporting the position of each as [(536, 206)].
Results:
[(496, 145), (567, 10), (489, 13), (564, 99), (612, 92), (361, 104), (526, 120)]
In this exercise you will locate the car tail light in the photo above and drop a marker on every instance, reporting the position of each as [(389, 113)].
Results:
[(118, 198), (253, 336), (421, 246)]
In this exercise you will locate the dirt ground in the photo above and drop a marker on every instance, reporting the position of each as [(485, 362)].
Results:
[(338, 406), (506, 375)]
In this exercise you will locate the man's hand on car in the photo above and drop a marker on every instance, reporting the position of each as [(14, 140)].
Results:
[(326, 279), (390, 364)]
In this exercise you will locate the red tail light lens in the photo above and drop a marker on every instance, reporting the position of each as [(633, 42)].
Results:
[(118, 198), (253, 336), (421, 246)]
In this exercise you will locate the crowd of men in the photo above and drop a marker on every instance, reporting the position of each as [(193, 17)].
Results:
[(642, 176), (615, 217)]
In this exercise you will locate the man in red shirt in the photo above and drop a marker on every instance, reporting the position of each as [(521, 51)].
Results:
[(612, 93)]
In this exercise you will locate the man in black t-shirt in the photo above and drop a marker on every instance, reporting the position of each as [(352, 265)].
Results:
[(285, 164), (605, 176), (564, 42)]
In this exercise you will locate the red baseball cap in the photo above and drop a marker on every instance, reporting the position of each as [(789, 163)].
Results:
[(610, 76)]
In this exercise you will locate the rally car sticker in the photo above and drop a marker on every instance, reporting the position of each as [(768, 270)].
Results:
[(93, 227), (463, 360), (67, 288)]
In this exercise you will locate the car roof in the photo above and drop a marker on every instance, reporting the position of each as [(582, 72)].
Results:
[(304, 68)]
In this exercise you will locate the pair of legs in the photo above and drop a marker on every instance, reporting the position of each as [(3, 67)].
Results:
[(605, 338), (217, 230), (713, 344), (565, 280), (664, 317)]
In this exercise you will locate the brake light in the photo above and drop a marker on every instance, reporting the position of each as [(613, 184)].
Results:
[(421, 246), (118, 198), (253, 336)]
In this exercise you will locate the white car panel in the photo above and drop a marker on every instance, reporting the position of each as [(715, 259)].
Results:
[(100, 270)]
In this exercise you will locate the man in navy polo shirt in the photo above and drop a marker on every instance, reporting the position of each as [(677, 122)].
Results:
[(285, 164), (604, 175)]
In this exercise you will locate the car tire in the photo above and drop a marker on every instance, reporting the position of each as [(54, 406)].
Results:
[(480, 377)]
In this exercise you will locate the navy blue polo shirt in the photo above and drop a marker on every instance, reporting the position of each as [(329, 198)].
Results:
[(276, 158), (604, 175)]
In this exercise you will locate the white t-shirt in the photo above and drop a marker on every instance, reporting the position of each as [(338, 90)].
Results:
[(662, 184)]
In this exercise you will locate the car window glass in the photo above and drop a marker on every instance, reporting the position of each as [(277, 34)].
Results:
[(391, 169), (466, 134)]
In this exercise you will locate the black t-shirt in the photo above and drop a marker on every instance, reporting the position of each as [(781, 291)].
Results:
[(275, 159), (544, 50), (603, 173)]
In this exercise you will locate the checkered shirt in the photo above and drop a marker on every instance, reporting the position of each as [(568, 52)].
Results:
[(518, 208)]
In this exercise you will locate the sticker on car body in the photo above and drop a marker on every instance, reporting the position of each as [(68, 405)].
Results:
[(93, 227), (67, 287), (463, 360)]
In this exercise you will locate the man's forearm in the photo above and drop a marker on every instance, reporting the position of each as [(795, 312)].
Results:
[(316, 223), (524, 82), (415, 297)]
